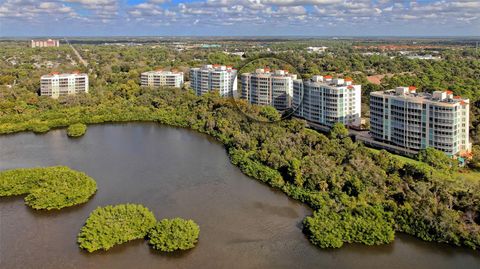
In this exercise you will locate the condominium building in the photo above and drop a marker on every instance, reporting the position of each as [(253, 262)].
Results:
[(326, 101), (161, 78), (56, 84), (214, 78), (45, 43), (268, 88), (316, 49), (415, 121)]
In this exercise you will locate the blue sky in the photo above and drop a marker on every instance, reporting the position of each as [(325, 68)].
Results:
[(240, 17)]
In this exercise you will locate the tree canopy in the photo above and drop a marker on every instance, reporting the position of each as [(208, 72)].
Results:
[(48, 187), (76, 130), (112, 225), (368, 225), (174, 234)]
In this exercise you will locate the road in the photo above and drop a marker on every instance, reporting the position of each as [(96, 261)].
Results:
[(76, 53)]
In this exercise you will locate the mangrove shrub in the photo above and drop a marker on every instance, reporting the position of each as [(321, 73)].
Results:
[(76, 130), (368, 225), (48, 187), (112, 225), (174, 234)]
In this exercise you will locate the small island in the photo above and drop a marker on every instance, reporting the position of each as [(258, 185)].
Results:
[(76, 130), (113, 225), (48, 187), (174, 234)]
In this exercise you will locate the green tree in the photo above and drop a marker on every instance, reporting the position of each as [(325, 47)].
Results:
[(295, 172), (174, 234), (270, 113), (338, 131), (76, 130), (437, 159), (475, 161), (49, 187), (112, 225)]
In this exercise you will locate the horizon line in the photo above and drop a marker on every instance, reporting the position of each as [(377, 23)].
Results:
[(243, 36)]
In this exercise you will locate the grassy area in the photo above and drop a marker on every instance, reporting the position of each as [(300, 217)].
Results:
[(464, 174), (402, 158), (468, 175)]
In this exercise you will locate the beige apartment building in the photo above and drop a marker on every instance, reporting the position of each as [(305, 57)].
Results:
[(268, 88), (214, 78), (415, 121), (162, 78), (326, 101), (56, 85)]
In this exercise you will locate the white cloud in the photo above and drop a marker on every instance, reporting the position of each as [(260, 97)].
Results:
[(34, 10), (294, 10), (310, 13)]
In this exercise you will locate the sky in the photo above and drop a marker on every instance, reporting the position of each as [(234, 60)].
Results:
[(239, 18)]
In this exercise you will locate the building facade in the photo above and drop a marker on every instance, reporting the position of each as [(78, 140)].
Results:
[(162, 78), (415, 121), (316, 49), (214, 78), (45, 43), (56, 85), (326, 101), (268, 88)]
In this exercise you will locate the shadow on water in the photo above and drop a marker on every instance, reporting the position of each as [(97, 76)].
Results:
[(12, 199), (58, 212), (41, 213), (441, 248), (281, 211), (174, 255), (115, 250)]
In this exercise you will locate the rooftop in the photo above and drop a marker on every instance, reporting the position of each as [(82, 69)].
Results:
[(63, 75), (215, 67), (267, 72), (330, 81), (445, 96), (162, 72)]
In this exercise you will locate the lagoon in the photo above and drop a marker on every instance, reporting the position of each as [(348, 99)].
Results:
[(180, 173)]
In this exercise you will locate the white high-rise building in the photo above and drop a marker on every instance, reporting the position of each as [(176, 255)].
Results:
[(45, 43), (268, 88), (326, 101), (161, 78), (56, 84), (214, 78), (415, 121)]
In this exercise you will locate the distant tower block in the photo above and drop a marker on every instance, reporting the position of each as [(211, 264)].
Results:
[(161, 78), (45, 43), (56, 85)]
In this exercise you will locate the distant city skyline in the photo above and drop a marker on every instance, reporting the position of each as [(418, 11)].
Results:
[(239, 18)]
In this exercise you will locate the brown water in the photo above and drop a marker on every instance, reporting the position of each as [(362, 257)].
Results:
[(176, 172)]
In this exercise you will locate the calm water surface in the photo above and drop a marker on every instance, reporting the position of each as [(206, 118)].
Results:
[(179, 173)]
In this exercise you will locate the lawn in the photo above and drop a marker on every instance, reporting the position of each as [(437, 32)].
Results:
[(464, 174)]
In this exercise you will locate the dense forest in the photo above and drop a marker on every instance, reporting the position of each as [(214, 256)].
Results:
[(363, 195)]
